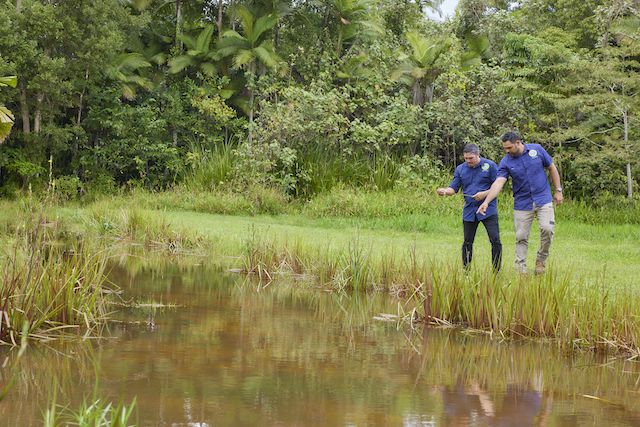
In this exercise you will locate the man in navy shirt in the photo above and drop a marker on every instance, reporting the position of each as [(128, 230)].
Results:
[(526, 164), (475, 176)]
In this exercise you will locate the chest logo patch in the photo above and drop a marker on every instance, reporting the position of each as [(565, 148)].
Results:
[(533, 154), (485, 167)]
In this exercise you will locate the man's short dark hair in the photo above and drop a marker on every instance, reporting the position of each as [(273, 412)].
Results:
[(511, 137), (471, 148)]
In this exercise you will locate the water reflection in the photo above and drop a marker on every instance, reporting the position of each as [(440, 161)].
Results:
[(230, 354)]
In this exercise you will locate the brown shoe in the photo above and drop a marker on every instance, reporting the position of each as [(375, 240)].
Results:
[(539, 267)]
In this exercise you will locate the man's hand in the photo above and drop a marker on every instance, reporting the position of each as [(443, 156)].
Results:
[(480, 195), (441, 191), (483, 208), (558, 197)]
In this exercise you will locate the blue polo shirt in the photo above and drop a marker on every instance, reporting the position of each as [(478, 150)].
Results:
[(528, 177), (473, 180)]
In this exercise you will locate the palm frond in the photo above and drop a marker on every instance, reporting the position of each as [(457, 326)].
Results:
[(179, 63), (246, 19), (267, 56), (264, 23), (204, 38), (242, 58)]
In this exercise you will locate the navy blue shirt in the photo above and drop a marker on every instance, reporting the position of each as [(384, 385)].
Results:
[(472, 180), (528, 177)]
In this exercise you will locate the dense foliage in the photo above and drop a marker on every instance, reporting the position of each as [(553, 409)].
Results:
[(304, 95)]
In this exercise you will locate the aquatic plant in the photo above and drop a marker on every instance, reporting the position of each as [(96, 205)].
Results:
[(94, 413)]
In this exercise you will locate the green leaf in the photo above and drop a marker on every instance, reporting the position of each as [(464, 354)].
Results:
[(264, 23), (8, 81), (188, 41), (208, 68), (130, 61), (6, 122), (246, 18), (243, 58), (204, 39), (179, 63)]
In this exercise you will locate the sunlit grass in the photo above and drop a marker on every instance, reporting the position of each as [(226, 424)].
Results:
[(94, 413)]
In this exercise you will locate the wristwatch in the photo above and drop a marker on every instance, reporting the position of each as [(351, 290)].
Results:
[(559, 190)]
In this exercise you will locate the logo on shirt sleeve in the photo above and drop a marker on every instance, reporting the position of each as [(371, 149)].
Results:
[(533, 154), (485, 167)]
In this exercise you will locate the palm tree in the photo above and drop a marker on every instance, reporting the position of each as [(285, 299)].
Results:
[(199, 52), (250, 51), (353, 18), (6, 116), (420, 69), (125, 70)]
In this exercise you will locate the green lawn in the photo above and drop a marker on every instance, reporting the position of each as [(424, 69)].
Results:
[(384, 224)]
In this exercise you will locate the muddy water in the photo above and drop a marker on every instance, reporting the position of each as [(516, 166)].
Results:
[(230, 355)]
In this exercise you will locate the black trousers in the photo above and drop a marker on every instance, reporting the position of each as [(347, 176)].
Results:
[(493, 231)]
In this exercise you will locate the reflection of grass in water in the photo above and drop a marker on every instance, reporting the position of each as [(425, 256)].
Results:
[(439, 356), (495, 365), (324, 360), (49, 374)]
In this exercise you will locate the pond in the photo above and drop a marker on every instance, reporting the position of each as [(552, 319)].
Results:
[(227, 352)]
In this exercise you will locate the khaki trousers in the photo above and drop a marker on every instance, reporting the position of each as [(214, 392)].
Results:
[(523, 221)]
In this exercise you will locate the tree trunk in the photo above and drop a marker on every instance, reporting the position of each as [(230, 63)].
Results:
[(276, 36), (252, 95), (86, 78), (219, 21), (428, 92), (417, 94), (178, 23), (625, 119), (251, 99), (18, 5), (37, 117), (629, 182), (232, 18), (24, 110)]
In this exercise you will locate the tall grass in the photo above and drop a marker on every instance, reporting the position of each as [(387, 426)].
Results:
[(133, 225), (210, 169), (552, 305), (94, 413), (48, 285)]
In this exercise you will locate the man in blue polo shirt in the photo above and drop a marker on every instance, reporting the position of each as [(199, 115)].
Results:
[(526, 164), (475, 176)]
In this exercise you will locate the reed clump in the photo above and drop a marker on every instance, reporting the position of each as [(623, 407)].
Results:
[(136, 226), (96, 413), (49, 284)]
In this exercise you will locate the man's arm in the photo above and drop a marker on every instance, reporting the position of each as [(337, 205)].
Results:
[(481, 195), (445, 191), (495, 189), (555, 180)]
